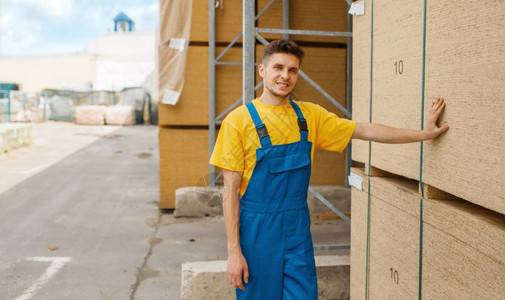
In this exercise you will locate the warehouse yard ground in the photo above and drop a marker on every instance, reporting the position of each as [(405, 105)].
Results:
[(80, 205)]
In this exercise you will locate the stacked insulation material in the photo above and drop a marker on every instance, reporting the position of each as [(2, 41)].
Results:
[(120, 115), (90, 115)]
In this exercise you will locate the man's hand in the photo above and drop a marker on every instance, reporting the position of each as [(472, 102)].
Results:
[(432, 130), (391, 135), (237, 267)]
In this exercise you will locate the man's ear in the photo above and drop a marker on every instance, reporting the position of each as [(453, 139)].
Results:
[(261, 70)]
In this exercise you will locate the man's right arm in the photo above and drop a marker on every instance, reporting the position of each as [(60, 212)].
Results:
[(237, 265)]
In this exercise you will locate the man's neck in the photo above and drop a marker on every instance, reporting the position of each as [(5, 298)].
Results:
[(272, 100)]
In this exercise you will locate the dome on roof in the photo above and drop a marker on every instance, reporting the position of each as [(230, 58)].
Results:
[(122, 17), (123, 23)]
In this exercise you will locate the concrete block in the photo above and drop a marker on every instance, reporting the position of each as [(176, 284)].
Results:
[(333, 277), (196, 201), (14, 135), (208, 280), (4, 140)]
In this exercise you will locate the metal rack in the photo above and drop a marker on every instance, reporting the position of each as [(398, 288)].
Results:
[(250, 34)]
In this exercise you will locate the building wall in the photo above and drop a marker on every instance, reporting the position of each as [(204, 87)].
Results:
[(112, 62), (72, 71)]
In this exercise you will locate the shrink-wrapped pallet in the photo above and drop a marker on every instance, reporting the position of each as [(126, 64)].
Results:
[(120, 115), (90, 115)]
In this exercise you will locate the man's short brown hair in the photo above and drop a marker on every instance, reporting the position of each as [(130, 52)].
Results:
[(284, 46)]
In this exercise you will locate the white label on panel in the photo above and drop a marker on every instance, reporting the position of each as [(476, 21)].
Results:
[(357, 9), (355, 181)]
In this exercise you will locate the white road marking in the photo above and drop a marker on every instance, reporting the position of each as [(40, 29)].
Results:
[(56, 265)]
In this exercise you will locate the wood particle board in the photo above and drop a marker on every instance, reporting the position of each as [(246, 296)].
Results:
[(184, 161), (228, 21), (193, 105), (465, 64), (463, 245), (306, 15)]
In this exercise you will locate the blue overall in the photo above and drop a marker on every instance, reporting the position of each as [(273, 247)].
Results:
[(275, 221)]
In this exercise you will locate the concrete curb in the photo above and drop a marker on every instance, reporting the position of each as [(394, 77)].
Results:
[(14, 135), (208, 280)]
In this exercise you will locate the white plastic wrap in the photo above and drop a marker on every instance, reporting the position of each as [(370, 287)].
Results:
[(90, 115), (175, 25), (120, 115)]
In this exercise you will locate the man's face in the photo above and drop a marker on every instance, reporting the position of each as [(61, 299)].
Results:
[(279, 72)]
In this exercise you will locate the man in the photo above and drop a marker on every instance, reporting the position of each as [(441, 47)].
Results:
[(265, 149)]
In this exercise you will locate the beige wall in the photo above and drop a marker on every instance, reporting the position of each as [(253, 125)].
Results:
[(52, 71)]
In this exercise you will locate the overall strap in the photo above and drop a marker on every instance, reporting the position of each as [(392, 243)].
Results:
[(261, 129), (302, 123)]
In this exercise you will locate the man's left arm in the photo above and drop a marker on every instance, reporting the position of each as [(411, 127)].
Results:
[(391, 135)]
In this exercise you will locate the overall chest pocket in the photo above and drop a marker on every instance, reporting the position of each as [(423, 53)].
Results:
[(288, 175), (281, 164)]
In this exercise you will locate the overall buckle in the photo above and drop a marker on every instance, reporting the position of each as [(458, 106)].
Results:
[(302, 124), (262, 131)]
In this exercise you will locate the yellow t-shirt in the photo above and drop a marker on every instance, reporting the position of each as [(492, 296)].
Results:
[(236, 144)]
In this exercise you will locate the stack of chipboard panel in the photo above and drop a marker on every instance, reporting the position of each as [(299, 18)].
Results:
[(183, 128), (463, 244), (464, 64), (184, 161), (306, 15), (325, 63), (192, 109)]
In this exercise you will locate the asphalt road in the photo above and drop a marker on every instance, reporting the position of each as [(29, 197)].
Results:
[(82, 227)]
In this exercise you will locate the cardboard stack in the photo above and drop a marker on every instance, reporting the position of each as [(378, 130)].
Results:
[(325, 63), (464, 65)]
